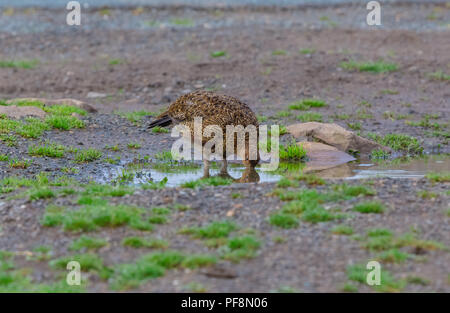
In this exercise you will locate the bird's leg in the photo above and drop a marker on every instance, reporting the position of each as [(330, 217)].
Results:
[(205, 168), (224, 168)]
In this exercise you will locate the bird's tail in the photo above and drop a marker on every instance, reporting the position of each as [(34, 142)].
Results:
[(161, 120)]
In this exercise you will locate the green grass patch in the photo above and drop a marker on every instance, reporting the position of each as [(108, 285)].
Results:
[(310, 117), (64, 122), (307, 51), (19, 164), (41, 193), (373, 67), (91, 217), (141, 242), (243, 247), (134, 145), (283, 220), (217, 229), (135, 117), (88, 155), (210, 181), (292, 152), (87, 242), (400, 142), (88, 262), (159, 129), (442, 177), (185, 22), (394, 256), (23, 64), (218, 54), (342, 230), (358, 273), (439, 75), (47, 149), (279, 52), (369, 207), (154, 265)]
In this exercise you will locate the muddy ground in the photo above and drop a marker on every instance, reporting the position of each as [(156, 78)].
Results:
[(144, 59)]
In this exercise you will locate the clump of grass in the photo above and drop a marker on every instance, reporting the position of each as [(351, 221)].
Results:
[(379, 232), (417, 280), (23, 64), (88, 262), (283, 220), (195, 287), (134, 145), (61, 109), (342, 230), (88, 155), (402, 142), (285, 183), (439, 75), (318, 214), (284, 113), (154, 265), (279, 52), (210, 181), (369, 207), (359, 273), (394, 256), (218, 229), (379, 154), (310, 179), (198, 260), (292, 152), (218, 54), (19, 164), (48, 149), (425, 194), (64, 122), (135, 117), (185, 22), (354, 191), (140, 242), (243, 247), (87, 242), (310, 117), (4, 158), (9, 140), (307, 104), (164, 156), (115, 61), (155, 185), (355, 126), (442, 177), (373, 67), (91, 217), (157, 219), (41, 193), (348, 287), (159, 129), (307, 51)]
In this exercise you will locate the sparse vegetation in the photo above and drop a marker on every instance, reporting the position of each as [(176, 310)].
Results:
[(23, 64), (88, 155), (310, 117), (374, 67), (369, 207)]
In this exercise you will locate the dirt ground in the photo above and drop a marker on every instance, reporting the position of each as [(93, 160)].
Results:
[(144, 60)]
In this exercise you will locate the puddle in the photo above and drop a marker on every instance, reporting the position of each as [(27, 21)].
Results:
[(174, 179), (177, 175)]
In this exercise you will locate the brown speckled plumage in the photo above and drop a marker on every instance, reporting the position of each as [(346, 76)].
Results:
[(214, 108)]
